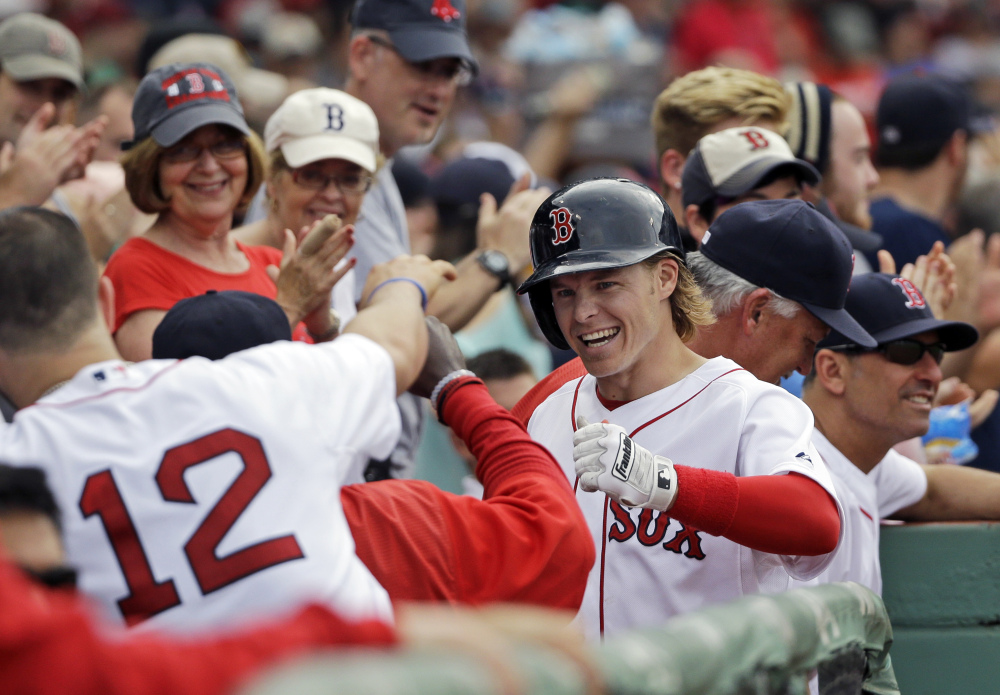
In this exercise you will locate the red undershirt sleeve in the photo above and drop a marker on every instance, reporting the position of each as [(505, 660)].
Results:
[(782, 514)]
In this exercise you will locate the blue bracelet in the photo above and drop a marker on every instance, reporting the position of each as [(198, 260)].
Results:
[(423, 292)]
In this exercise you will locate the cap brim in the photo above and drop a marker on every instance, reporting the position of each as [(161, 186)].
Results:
[(749, 178), (172, 129), (584, 261), (39, 67), (311, 149), (842, 322), (421, 43), (955, 335)]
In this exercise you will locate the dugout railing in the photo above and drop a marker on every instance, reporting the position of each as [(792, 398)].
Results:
[(758, 645)]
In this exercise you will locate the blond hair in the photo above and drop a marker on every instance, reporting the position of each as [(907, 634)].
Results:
[(142, 173), (696, 102), (689, 308)]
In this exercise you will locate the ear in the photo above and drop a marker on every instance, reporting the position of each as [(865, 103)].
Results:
[(696, 224), (666, 277), (958, 148), (753, 309), (830, 371), (106, 301), (360, 57), (671, 168)]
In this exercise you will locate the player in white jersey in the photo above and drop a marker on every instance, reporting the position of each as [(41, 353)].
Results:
[(866, 400), (748, 504), (199, 494)]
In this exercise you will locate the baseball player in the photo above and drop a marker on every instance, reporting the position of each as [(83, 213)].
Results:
[(525, 541), (199, 494), (713, 489), (866, 400)]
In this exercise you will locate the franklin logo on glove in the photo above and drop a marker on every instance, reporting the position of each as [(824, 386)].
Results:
[(624, 464)]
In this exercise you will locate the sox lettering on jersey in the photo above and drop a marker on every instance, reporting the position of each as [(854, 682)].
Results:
[(914, 300), (624, 528), (562, 224)]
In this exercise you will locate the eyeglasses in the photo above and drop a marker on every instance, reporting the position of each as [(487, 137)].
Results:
[(457, 71), (189, 152), (316, 180), (905, 351)]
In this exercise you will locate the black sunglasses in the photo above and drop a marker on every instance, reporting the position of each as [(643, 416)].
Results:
[(905, 351)]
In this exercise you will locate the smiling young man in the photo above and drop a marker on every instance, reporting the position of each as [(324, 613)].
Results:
[(746, 506), (865, 401)]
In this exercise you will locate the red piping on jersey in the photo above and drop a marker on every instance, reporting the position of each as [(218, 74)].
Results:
[(572, 410), (663, 415), (106, 393), (866, 513), (604, 548)]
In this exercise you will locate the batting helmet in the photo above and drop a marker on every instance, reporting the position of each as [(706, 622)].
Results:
[(594, 225)]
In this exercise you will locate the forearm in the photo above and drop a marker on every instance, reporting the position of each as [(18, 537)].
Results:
[(395, 321), (956, 493), (782, 514), (458, 302)]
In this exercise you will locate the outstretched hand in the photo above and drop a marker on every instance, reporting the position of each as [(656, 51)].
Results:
[(443, 357), (304, 280)]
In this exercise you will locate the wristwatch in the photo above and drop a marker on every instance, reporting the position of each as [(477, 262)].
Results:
[(496, 264), (331, 332)]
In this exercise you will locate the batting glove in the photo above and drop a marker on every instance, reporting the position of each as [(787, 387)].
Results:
[(607, 459)]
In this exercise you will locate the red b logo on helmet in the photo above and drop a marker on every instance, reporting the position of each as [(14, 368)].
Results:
[(914, 300), (562, 224)]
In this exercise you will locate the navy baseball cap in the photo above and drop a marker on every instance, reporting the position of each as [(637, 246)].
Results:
[(216, 324), (456, 188), (176, 99), (890, 307), (420, 30), (920, 111), (789, 247)]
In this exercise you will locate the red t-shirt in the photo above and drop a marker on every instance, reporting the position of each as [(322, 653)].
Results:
[(148, 276)]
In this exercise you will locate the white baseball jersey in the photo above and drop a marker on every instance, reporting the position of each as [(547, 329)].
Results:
[(895, 482), (203, 494), (651, 567)]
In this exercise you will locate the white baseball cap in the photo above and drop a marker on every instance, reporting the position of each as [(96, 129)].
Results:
[(733, 162), (322, 123)]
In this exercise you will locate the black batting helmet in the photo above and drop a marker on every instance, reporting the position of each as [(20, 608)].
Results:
[(594, 225)]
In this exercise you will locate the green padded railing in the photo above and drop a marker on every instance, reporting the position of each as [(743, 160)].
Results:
[(758, 645)]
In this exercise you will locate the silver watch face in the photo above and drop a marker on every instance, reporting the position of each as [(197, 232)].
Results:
[(495, 262)]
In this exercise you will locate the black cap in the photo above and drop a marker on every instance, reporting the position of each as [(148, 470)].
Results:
[(176, 99), (456, 188), (420, 29), (216, 324), (809, 122), (788, 247), (890, 307), (921, 111)]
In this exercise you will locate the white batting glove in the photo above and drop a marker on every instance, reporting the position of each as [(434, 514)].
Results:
[(607, 459)]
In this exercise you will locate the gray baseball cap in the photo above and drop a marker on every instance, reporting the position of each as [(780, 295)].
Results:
[(33, 47), (176, 99)]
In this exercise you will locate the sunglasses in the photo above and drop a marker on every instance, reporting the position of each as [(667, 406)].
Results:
[(905, 351)]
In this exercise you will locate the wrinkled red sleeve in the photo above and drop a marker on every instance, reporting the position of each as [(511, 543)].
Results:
[(525, 541), (50, 645)]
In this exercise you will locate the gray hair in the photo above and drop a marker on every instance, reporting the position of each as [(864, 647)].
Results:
[(727, 290)]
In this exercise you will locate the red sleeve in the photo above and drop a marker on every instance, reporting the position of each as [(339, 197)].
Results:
[(143, 279), (525, 541), (525, 407), (49, 645), (783, 514)]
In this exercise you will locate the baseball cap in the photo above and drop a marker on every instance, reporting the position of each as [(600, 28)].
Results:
[(456, 188), (809, 122), (921, 111), (259, 89), (420, 30), (322, 123), (733, 162), (889, 307), (790, 248), (216, 324), (173, 100), (34, 47)]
